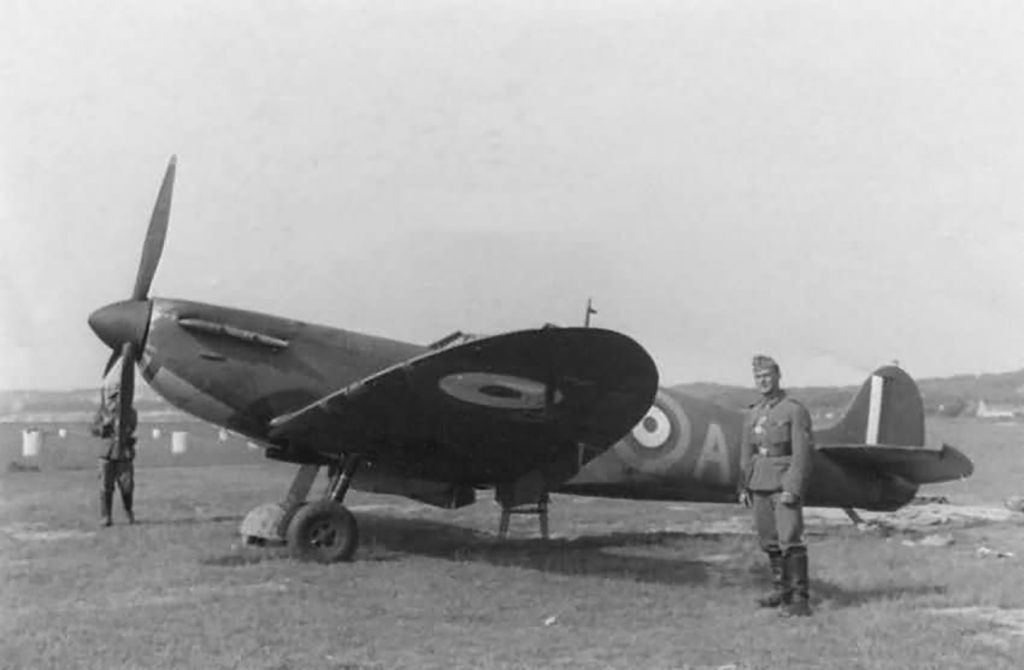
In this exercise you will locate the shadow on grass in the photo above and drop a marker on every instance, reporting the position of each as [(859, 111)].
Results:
[(387, 539), (593, 555), (188, 521), (841, 597)]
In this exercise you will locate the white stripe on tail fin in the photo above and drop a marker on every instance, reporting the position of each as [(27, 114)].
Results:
[(887, 409), (875, 409)]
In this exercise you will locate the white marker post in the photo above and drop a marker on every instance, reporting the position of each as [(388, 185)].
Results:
[(32, 443), (179, 442)]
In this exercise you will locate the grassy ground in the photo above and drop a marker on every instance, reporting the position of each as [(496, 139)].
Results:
[(625, 585)]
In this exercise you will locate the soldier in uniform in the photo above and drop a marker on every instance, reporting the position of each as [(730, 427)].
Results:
[(116, 457), (775, 463)]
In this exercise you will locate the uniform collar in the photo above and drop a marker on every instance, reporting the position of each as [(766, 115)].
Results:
[(772, 400)]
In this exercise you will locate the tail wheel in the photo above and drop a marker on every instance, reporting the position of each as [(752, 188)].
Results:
[(323, 531)]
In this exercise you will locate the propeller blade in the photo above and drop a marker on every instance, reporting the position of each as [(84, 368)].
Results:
[(156, 234), (114, 355), (126, 394)]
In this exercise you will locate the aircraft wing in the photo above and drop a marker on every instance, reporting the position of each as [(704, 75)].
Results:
[(919, 465), (487, 410)]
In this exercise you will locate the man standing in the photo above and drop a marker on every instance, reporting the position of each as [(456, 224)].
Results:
[(775, 464), (117, 457)]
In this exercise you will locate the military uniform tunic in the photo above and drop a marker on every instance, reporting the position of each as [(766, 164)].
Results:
[(116, 462), (775, 456)]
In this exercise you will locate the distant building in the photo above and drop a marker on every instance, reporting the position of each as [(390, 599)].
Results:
[(998, 410)]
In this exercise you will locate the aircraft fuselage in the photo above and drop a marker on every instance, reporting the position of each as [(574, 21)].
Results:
[(241, 369), (688, 449)]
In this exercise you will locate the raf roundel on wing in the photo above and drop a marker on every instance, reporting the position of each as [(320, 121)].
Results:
[(497, 391)]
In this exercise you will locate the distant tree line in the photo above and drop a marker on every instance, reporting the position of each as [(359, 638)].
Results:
[(948, 396)]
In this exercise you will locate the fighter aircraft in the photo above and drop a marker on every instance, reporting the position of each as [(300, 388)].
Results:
[(519, 411), (527, 413), (686, 448)]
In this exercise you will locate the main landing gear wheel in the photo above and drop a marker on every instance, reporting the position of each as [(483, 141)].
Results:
[(323, 531)]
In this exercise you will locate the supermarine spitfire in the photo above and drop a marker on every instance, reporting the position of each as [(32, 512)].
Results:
[(576, 410)]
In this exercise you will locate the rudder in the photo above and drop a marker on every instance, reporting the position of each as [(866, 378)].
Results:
[(886, 410)]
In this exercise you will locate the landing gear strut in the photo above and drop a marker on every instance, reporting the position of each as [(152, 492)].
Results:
[(325, 531)]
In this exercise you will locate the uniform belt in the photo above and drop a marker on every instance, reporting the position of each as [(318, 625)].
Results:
[(776, 450)]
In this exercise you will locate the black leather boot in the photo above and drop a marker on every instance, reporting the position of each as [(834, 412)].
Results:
[(126, 498), (106, 500), (780, 593), (796, 560)]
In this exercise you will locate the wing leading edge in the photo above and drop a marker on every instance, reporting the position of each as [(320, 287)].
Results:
[(487, 410)]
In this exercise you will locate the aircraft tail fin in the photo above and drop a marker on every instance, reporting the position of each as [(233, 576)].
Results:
[(887, 410), (883, 430)]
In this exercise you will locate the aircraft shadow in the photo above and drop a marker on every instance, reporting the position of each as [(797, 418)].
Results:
[(387, 539), (593, 555), (188, 521), (826, 591)]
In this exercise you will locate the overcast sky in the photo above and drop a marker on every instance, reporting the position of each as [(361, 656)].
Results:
[(836, 184)]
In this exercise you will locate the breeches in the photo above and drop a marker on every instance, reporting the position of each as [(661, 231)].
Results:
[(121, 473), (779, 527)]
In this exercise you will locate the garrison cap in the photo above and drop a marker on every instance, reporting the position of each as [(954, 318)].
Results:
[(762, 362)]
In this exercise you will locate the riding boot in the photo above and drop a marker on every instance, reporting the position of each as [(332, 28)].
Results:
[(796, 559), (106, 501), (780, 593), (126, 498)]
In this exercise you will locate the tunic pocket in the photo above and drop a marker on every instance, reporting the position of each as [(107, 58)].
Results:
[(778, 432)]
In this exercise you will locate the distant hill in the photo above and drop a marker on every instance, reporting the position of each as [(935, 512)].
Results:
[(818, 399), (78, 406), (949, 396)]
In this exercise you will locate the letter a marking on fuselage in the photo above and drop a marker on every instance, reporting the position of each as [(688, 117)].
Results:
[(714, 452)]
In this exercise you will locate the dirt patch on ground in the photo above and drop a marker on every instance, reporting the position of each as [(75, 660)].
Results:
[(919, 516), (37, 532)]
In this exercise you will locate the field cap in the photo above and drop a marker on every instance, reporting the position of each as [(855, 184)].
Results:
[(762, 362)]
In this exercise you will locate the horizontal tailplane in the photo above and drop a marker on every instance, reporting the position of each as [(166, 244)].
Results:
[(917, 465)]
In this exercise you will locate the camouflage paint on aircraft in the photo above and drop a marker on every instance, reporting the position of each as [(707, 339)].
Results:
[(687, 448), (683, 447)]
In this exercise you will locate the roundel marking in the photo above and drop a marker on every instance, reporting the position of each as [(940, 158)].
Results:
[(653, 430), (497, 391), (659, 440)]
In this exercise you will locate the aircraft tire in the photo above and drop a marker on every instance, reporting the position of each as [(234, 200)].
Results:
[(324, 532)]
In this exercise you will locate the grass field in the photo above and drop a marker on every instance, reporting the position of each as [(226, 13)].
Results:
[(622, 585)]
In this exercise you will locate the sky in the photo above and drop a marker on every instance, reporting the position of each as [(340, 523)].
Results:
[(838, 185)]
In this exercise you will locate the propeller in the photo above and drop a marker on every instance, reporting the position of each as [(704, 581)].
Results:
[(155, 236), (122, 325)]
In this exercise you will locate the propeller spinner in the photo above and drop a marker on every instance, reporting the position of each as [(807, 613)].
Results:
[(122, 325)]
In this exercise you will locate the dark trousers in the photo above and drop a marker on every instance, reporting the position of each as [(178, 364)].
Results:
[(122, 474), (779, 527)]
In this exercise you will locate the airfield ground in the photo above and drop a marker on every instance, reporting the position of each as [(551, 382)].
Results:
[(622, 585)]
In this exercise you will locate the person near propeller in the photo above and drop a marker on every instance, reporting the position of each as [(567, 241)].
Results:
[(115, 426), (123, 327)]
